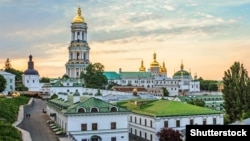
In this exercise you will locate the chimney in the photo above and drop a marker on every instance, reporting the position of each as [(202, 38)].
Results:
[(76, 97)]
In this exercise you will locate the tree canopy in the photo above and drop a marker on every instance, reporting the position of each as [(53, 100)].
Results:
[(2, 83), (169, 134), (94, 77), (236, 92)]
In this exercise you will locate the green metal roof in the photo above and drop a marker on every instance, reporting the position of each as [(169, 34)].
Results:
[(164, 108), (181, 73), (202, 97), (135, 74), (111, 75), (68, 107)]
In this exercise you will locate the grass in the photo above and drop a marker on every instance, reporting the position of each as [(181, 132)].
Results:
[(167, 108)]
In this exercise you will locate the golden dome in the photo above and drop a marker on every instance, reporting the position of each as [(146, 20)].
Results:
[(134, 90), (163, 68), (154, 63), (78, 18), (142, 68)]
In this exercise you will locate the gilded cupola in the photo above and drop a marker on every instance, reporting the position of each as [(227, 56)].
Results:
[(154, 63), (142, 68), (163, 68), (78, 18)]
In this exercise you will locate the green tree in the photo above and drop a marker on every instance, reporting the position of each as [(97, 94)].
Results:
[(165, 91), (93, 77), (235, 92), (169, 134), (65, 76), (45, 80), (198, 102), (2, 83), (7, 64)]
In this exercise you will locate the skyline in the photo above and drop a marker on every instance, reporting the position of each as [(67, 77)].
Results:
[(208, 38)]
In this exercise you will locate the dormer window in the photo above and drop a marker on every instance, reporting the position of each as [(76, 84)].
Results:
[(81, 110), (94, 110), (113, 109)]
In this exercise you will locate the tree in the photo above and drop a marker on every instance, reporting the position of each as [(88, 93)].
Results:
[(198, 102), (169, 134), (45, 80), (94, 77), (65, 76), (165, 91), (7, 64), (2, 83), (236, 92)]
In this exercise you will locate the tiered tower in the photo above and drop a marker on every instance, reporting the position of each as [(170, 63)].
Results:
[(78, 48)]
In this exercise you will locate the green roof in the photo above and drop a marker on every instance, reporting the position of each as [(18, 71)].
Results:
[(202, 97), (164, 108), (135, 74), (111, 75), (181, 73), (68, 107)]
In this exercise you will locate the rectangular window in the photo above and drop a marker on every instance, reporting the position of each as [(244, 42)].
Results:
[(191, 122), (113, 125), (113, 138), (131, 118), (140, 120), (177, 123), (84, 127), (84, 140), (145, 122), (214, 121), (135, 119), (204, 121), (151, 137), (166, 124), (145, 135), (151, 123), (94, 126)]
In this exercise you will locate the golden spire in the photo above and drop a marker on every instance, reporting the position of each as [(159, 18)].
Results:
[(78, 18), (142, 68), (182, 66), (154, 63), (163, 68)]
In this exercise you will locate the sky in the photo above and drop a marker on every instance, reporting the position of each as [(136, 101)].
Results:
[(208, 36)]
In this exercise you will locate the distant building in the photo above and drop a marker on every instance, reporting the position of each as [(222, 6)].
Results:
[(10, 82), (89, 118), (30, 77), (181, 83)]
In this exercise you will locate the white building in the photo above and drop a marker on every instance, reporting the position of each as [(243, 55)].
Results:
[(89, 118), (149, 117), (10, 81), (30, 77), (78, 48)]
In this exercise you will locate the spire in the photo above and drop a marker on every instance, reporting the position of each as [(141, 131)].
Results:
[(142, 68), (30, 63), (182, 66), (78, 18)]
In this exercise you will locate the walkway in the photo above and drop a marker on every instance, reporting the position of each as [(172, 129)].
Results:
[(36, 124)]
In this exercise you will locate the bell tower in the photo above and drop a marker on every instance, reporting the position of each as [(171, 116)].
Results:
[(78, 48)]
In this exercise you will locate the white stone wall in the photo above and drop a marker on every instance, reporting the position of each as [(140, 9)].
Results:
[(31, 82), (10, 82)]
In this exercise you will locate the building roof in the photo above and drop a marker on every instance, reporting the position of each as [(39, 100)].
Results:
[(135, 74), (129, 88), (6, 73), (87, 103), (111, 75), (164, 108)]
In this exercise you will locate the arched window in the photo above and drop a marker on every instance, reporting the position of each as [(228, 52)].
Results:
[(113, 109), (93, 110), (81, 110)]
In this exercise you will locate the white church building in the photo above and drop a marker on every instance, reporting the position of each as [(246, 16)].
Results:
[(30, 77)]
